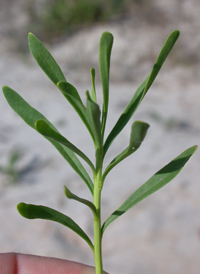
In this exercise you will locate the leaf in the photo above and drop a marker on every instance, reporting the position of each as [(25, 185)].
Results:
[(30, 211), (142, 90), (43, 128), (30, 116), (93, 92), (157, 181), (93, 114), (171, 40), (105, 48), (72, 96), (70, 195), (138, 133), (68, 89), (45, 60)]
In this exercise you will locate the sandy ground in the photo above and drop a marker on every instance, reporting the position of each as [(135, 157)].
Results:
[(162, 233)]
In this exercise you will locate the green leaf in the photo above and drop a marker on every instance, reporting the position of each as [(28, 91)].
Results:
[(171, 40), (157, 181), (30, 116), (45, 59), (93, 92), (93, 113), (105, 48), (138, 133), (73, 98), (30, 211), (142, 90), (68, 89), (43, 128), (70, 195)]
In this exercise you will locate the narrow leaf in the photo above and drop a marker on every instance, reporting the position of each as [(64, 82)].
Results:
[(43, 128), (93, 92), (73, 98), (70, 195), (45, 60), (138, 133), (142, 90), (105, 48), (93, 114), (30, 116), (171, 40), (30, 211), (157, 181), (126, 115)]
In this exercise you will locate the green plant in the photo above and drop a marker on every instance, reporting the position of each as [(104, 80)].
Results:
[(10, 169), (95, 122)]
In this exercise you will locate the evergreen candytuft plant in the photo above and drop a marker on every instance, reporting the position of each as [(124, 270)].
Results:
[(94, 119)]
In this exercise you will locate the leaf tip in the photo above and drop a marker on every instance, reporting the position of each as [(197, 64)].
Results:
[(4, 88), (60, 85), (30, 35), (177, 33), (107, 34), (67, 192), (38, 124), (21, 207), (92, 71), (195, 147)]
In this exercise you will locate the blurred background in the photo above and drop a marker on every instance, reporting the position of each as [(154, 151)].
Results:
[(162, 233)]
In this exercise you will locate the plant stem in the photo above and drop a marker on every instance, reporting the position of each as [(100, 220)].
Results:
[(97, 224)]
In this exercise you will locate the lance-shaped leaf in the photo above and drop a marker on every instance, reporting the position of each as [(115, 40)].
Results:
[(93, 92), (30, 116), (70, 195), (30, 211), (45, 60), (157, 181), (93, 113), (138, 133), (142, 90), (105, 48), (71, 94), (171, 40), (43, 128)]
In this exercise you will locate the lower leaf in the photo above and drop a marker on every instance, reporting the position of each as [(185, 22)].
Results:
[(30, 211), (157, 181)]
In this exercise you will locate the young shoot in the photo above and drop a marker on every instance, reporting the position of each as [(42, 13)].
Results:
[(94, 118)]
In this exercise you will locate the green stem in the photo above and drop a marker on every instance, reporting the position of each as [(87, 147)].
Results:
[(97, 224)]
